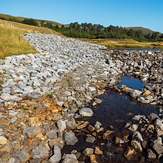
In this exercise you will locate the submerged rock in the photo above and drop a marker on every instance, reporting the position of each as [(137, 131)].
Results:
[(88, 151), (151, 154), (130, 153), (90, 139), (136, 145)]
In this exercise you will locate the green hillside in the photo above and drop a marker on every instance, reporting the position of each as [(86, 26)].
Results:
[(30, 21)]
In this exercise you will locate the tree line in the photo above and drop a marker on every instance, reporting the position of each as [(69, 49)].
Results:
[(89, 30), (95, 31)]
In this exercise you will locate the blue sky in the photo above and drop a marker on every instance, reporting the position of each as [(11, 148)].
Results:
[(147, 13)]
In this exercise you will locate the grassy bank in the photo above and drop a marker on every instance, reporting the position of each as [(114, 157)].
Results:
[(11, 38), (126, 43)]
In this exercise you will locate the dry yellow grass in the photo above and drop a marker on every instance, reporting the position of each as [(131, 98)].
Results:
[(127, 43), (11, 38)]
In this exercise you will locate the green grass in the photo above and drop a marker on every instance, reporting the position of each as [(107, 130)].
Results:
[(12, 41), (126, 43)]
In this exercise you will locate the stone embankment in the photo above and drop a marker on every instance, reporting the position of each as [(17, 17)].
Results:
[(35, 75), (43, 96)]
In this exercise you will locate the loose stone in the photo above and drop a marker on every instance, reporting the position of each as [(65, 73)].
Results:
[(86, 112), (70, 138)]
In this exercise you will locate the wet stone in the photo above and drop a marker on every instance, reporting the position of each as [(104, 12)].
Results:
[(90, 139), (88, 151), (130, 153), (153, 116), (136, 145), (158, 146), (151, 154), (137, 135)]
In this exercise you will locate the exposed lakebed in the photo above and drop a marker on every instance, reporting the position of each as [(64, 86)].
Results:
[(112, 114), (44, 99)]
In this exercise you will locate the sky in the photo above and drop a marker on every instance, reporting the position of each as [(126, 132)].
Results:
[(146, 13)]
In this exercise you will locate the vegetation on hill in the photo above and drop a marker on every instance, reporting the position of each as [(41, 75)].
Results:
[(30, 21), (96, 31), (91, 31), (12, 30), (126, 43), (11, 38)]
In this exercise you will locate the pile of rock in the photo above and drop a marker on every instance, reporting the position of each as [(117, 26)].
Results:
[(35, 75), (71, 73), (145, 65), (146, 136)]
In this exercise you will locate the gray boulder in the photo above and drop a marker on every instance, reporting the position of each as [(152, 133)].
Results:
[(70, 138)]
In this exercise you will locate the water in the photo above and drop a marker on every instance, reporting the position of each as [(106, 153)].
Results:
[(114, 112), (117, 109), (131, 82)]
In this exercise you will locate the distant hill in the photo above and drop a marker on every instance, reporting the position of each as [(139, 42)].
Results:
[(30, 21), (97, 31), (89, 30), (143, 29)]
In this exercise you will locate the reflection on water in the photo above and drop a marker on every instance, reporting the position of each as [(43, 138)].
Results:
[(116, 109), (114, 112), (131, 82)]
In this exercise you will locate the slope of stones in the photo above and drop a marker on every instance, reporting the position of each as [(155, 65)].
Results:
[(35, 74)]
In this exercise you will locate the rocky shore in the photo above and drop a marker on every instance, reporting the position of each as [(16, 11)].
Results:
[(46, 99), (147, 66)]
